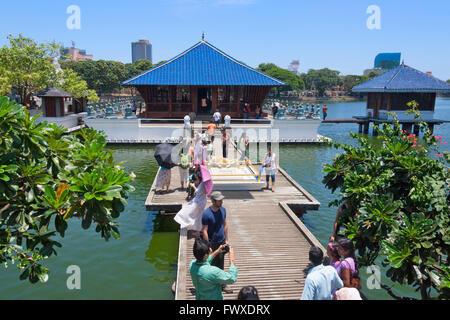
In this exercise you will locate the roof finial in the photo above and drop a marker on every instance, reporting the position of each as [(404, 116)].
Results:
[(203, 36), (403, 62)]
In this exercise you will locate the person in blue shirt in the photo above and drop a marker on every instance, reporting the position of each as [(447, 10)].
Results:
[(215, 229), (321, 281)]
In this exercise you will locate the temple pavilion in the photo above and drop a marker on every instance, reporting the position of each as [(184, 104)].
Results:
[(391, 92), (201, 80)]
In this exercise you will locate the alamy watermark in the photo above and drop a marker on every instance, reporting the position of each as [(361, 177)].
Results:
[(374, 280), (74, 280), (374, 20), (74, 20)]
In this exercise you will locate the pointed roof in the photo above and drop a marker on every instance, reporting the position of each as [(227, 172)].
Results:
[(403, 79), (203, 64), (53, 92)]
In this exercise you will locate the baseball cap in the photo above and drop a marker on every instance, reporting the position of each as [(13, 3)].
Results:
[(217, 196)]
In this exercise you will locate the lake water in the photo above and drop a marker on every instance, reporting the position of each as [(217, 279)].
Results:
[(142, 264)]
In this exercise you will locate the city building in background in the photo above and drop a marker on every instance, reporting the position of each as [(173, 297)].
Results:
[(141, 50), (77, 54), (385, 62)]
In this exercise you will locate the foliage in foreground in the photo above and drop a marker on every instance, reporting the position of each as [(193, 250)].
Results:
[(398, 196), (46, 179)]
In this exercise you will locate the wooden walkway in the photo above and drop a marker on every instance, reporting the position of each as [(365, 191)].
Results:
[(271, 244)]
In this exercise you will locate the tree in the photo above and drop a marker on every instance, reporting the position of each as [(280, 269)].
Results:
[(25, 66), (293, 81), (47, 179), (73, 84), (350, 81), (321, 80), (397, 196)]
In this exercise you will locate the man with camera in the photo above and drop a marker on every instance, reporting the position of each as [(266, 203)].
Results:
[(207, 279), (215, 230)]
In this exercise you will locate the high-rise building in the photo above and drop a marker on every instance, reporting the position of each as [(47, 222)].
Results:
[(385, 62), (77, 54), (141, 50)]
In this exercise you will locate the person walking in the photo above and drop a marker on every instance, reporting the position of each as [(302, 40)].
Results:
[(246, 111), (274, 110), (185, 163), (324, 111), (207, 279), (215, 229), (270, 166), (225, 142), (163, 179), (217, 117), (333, 254), (321, 281), (190, 215), (258, 112), (242, 146)]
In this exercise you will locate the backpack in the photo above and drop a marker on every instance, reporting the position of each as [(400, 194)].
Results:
[(184, 161)]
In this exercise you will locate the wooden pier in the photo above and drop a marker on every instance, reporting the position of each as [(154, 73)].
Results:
[(271, 244)]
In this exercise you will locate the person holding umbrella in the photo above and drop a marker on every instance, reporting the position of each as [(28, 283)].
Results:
[(164, 155)]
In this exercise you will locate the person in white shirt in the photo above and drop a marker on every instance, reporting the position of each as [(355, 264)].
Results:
[(217, 116), (270, 165), (321, 281)]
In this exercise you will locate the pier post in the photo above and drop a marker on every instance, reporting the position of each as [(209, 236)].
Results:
[(366, 128), (375, 131), (360, 128)]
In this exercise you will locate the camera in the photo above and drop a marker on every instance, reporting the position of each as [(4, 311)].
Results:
[(226, 249)]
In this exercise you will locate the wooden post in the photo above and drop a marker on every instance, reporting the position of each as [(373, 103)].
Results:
[(366, 127), (215, 99), (194, 98), (171, 92), (375, 130), (360, 128)]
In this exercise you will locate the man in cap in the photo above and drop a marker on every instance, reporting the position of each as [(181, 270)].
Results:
[(215, 229)]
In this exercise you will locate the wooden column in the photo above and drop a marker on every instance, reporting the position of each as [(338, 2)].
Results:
[(215, 98), (388, 108), (238, 102), (376, 112), (171, 92), (194, 98)]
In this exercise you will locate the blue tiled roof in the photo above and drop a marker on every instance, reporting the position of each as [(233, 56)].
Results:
[(203, 64), (403, 79)]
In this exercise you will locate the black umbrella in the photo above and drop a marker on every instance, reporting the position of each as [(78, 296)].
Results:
[(166, 155)]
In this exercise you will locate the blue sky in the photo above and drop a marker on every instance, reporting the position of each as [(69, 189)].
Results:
[(320, 34)]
